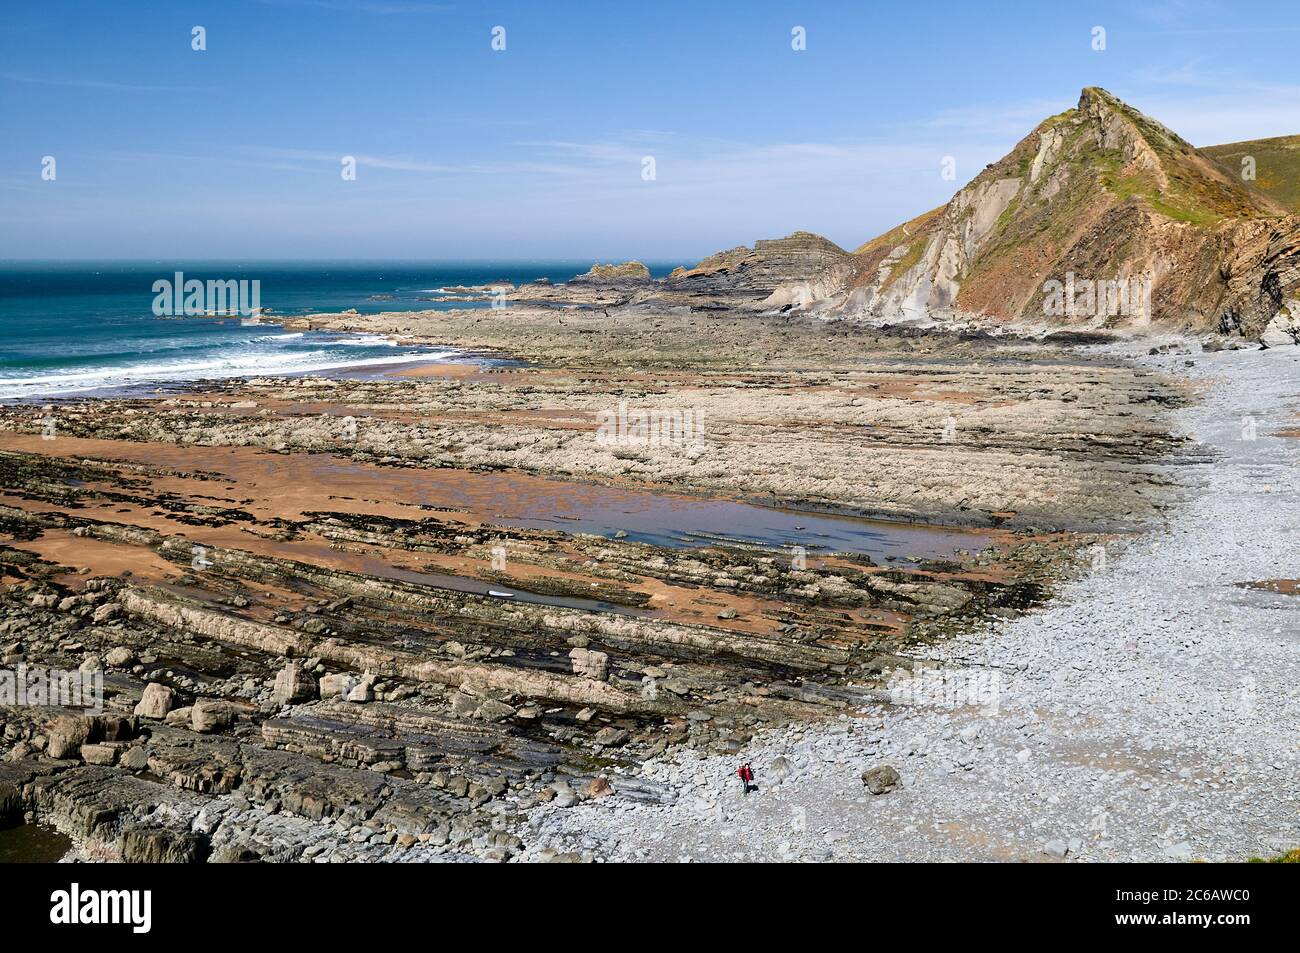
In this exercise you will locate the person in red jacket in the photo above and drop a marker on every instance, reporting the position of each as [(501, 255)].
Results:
[(746, 776)]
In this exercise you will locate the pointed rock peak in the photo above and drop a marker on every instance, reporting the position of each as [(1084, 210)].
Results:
[(1095, 95), (1102, 105), (1101, 191)]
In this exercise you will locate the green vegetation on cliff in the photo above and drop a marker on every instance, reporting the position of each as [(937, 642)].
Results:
[(1276, 166)]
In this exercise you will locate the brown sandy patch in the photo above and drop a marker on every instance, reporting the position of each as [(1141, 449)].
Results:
[(100, 557), (1286, 587)]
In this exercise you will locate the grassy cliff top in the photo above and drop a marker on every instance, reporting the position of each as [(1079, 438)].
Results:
[(1276, 161)]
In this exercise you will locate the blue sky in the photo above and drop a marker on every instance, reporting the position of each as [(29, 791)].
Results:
[(536, 151)]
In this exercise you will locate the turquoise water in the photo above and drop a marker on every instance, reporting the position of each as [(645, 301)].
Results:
[(88, 327)]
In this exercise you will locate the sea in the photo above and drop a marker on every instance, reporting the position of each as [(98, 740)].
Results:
[(88, 328)]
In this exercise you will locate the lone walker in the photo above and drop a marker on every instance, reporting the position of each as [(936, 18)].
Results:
[(746, 776)]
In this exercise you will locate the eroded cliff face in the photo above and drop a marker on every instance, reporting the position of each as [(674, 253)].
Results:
[(1100, 217)]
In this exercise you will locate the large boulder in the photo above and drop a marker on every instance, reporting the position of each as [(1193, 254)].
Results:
[(293, 686), (113, 728), (119, 657), (1284, 329), (67, 734), (210, 715), (881, 779), (106, 613), (363, 691), (142, 844), (337, 685), (492, 710), (589, 663), (99, 754), (779, 769), (156, 701), (599, 787)]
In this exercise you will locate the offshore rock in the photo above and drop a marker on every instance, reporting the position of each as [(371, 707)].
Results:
[(627, 272), (757, 272)]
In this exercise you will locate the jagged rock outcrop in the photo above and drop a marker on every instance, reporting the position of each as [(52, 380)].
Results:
[(789, 263), (627, 272), (1100, 217)]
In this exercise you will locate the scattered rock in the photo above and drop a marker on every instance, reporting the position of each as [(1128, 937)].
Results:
[(611, 737), (599, 787), (881, 779), (119, 657)]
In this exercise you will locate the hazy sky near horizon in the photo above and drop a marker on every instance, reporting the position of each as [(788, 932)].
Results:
[(537, 151)]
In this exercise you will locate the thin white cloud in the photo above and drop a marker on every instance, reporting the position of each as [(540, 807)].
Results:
[(94, 84)]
